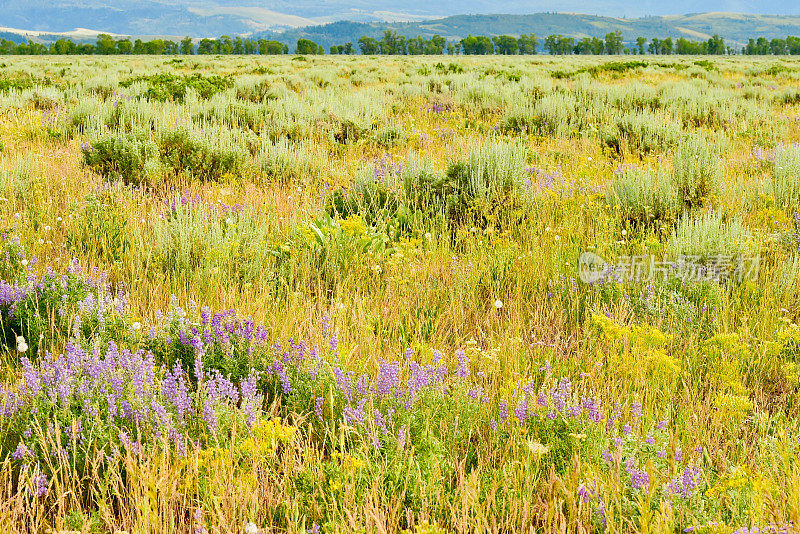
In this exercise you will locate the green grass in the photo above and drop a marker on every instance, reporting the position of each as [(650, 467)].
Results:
[(397, 215)]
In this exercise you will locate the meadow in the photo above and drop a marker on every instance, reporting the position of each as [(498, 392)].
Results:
[(354, 294)]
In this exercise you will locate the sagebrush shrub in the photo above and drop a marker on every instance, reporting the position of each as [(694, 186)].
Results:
[(711, 235), (184, 151), (644, 196), (698, 171), (647, 132), (784, 184), (125, 157), (172, 87)]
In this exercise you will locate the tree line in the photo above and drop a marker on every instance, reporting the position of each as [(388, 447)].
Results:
[(392, 43)]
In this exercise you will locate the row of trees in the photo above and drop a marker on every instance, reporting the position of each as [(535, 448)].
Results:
[(107, 45), (613, 43), (393, 44), (764, 47)]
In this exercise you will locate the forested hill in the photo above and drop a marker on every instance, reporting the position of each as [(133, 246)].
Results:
[(736, 29)]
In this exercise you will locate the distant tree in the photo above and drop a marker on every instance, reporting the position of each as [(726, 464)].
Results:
[(238, 46), (793, 45), (270, 47), (505, 45), (655, 46), (7, 47), (308, 47), (583, 47), (778, 47), (206, 46), (527, 44), (715, 45), (63, 47), (758, 47), (224, 45), (124, 46), (156, 47), (560, 45), (614, 43), (551, 44), (187, 46), (477, 45), (451, 49), (415, 46), (30, 48), (348, 49), (640, 42), (684, 46), (392, 43), (369, 46), (435, 46), (105, 44)]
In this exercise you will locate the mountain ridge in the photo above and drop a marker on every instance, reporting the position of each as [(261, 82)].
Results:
[(735, 28), (215, 17)]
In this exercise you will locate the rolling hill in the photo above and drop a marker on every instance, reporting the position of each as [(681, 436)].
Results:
[(216, 17)]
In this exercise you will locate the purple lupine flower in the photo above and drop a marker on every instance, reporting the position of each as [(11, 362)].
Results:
[(584, 493), (463, 364), (503, 406), (521, 411), (639, 477), (686, 484), (40, 484), (601, 512), (318, 402), (22, 451)]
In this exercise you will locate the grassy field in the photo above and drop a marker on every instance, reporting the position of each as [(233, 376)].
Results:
[(422, 295)]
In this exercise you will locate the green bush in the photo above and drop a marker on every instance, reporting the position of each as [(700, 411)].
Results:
[(709, 236), (784, 184), (135, 158), (185, 151), (128, 157), (647, 132), (644, 196), (172, 87), (698, 171), (374, 197), (256, 91)]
